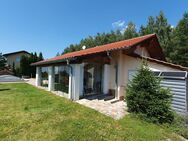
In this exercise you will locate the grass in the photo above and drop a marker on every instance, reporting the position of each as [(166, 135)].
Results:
[(30, 114), (180, 125)]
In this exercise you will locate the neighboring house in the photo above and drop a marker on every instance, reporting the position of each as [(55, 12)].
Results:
[(14, 58), (107, 69)]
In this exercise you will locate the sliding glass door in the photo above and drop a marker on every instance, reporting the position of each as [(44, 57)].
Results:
[(92, 79), (62, 79), (44, 76)]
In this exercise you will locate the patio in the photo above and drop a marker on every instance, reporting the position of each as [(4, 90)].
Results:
[(113, 108)]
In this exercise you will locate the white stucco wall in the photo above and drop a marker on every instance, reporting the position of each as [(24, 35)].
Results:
[(77, 81), (51, 77), (116, 67), (142, 51), (38, 76), (125, 64), (106, 78), (132, 63), (113, 64)]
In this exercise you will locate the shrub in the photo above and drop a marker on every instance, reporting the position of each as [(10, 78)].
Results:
[(146, 97)]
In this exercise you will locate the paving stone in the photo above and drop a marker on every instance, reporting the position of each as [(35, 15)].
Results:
[(116, 110)]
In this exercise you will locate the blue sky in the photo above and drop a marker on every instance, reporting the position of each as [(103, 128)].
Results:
[(51, 25)]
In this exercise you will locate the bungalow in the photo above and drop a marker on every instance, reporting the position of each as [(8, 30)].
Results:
[(107, 69)]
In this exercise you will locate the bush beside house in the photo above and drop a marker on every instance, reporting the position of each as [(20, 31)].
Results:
[(147, 98)]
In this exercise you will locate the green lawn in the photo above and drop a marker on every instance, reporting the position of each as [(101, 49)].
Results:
[(31, 114)]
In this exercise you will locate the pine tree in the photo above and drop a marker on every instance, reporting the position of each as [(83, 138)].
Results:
[(162, 28), (40, 57), (35, 58), (25, 63), (58, 54), (164, 33), (2, 61), (13, 68), (130, 31), (179, 55), (150, 27), (146, 97)]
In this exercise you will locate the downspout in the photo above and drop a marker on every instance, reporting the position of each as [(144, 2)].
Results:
[(186, 81), (71, 73)]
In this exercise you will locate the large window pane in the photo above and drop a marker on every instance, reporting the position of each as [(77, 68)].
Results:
[(92, 79), (173, 74), (44, 82), (62, 79)]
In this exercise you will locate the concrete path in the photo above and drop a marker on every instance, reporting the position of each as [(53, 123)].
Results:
[(115, 110), (30, 81), (9, 79)]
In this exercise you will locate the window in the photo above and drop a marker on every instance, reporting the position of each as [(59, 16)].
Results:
[(163, 74), (62, 79), (92, 79), (17, 59), (44, 74), (156, 73), (173, 74)]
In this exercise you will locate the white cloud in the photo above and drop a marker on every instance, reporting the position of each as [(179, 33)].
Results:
[(118, 24), (123, 29), (121, 25)]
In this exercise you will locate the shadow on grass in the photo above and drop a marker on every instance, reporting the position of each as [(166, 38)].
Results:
[(4, 89)]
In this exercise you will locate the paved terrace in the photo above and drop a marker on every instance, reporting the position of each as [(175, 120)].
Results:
[(112, 108)]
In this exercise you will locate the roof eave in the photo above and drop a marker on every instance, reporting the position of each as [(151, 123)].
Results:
[(73, 58)]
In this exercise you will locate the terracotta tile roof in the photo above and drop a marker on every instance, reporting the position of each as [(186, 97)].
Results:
[(98, 49)]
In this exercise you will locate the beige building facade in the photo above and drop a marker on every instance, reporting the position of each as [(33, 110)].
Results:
[(13, 59)]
